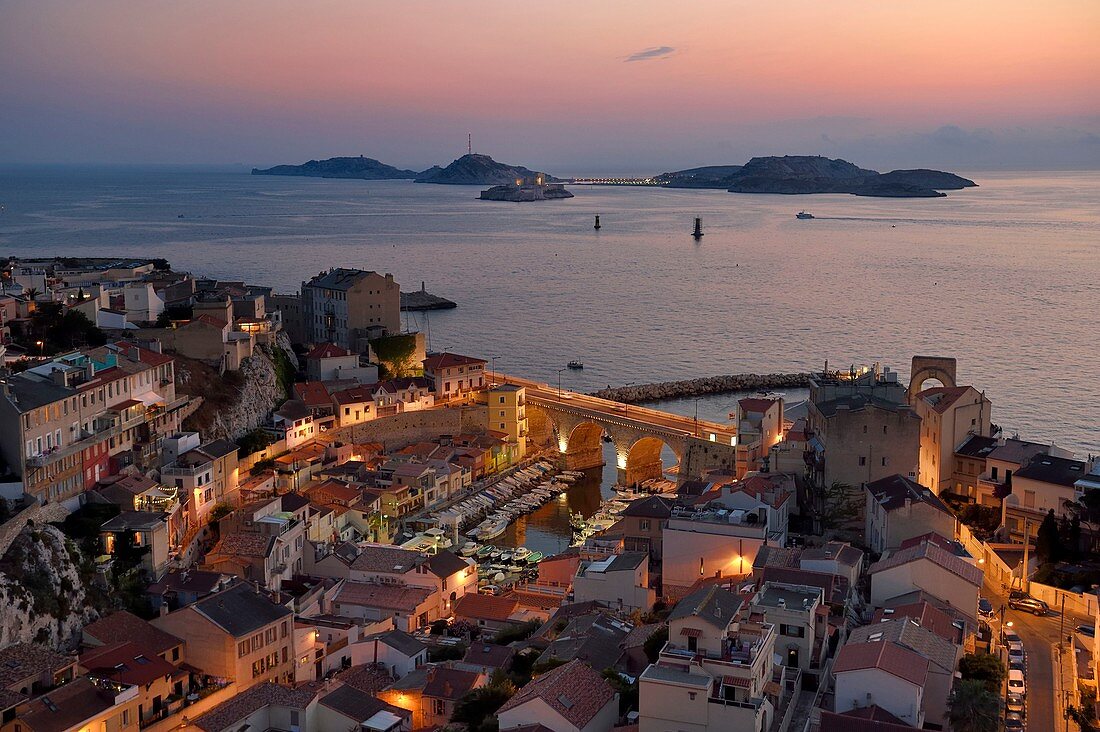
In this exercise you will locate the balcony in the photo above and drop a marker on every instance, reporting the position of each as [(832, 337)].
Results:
[(103, 428), (176, 470)]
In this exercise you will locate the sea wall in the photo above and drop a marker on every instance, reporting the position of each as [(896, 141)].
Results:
[(701, 386), (408, 427)]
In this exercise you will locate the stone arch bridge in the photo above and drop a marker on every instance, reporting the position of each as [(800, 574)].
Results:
[(576, 424)]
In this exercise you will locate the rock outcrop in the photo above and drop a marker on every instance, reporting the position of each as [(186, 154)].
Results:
[(236, 403), (705, 385), (359, 168), (801, 174), (42, 594), (481, 170)]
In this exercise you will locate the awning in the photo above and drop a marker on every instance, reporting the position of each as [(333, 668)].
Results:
[(381, 721), (736, 681), (691, 632)]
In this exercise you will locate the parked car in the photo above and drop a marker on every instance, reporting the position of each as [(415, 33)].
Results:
[(1029, 604), (1009, 636), (1017, 666), (1087, 631), (1015, 704), (1017, 684), (1017, 595), (1014, 723), (1016, 654), (985, 608)]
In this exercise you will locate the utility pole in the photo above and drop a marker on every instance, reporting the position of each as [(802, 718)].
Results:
[(559, 383), (1027, 545)]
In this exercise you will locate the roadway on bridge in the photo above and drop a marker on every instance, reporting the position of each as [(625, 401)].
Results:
[(641, 417)]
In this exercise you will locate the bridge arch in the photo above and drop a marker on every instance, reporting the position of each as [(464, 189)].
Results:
[(642, 460), (940, 368), (582, 446)]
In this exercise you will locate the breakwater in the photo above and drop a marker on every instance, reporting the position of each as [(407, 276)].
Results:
[(705, 385)]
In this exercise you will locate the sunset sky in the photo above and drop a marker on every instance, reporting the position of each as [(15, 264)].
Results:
[(571, 87)]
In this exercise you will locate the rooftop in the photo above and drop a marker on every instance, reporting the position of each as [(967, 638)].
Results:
[(386, 559), (127, 662), (358, 705), (1056, 470), (388, 597), (893, 491), (486, 607), (449, 683), (240, 610), (933, 553), (651, 507), (69, 706), (574, 691), (885, 656), (941, 398), (908, 633), (791, 597), (21, 660), (340, 278), (714, 604), (124, 626), (251, 700), (326, 350), (436, 361)]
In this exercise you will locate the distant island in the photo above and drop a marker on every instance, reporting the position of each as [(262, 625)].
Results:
[(360, 168), (800, 174), (524, 189), (480, 170)]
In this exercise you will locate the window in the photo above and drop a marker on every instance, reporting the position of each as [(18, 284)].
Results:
[(884, 429), (1029, 499), (502, 401), (792, 631), (862, 460), (864, 429), (884, 462), (439, 707), (242, 649), (643, 524)]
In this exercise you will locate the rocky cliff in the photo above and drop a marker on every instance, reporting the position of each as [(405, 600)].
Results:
[(238, 402), (359, 168), (42, 594), (479, 170), (800, 174)]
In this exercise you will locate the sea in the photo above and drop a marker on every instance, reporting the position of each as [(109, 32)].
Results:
[(1005, 277)]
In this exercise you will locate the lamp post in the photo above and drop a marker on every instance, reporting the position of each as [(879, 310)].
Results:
[(493, 370), (559, 383), (696, 433)]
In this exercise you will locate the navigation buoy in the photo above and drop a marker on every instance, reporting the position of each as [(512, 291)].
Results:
[(698, 233), (597, 225)]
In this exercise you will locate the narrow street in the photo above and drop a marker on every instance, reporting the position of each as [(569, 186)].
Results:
[(1045, 700)]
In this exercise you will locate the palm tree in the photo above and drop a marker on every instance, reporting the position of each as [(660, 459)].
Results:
[(973, 708)]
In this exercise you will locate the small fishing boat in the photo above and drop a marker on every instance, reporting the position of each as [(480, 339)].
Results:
[(535, 557), (575, 365), (803, 215), (521, 552)]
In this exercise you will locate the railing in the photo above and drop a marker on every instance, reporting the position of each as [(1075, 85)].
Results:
[(113, 428), (753, 704), (183, 470)]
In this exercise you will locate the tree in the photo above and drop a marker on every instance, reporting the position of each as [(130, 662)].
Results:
[(1048, 544), (654, 643), (834, 505), (628, 693), (1087, 511), (973, 708), (477, 709), (983, 667)]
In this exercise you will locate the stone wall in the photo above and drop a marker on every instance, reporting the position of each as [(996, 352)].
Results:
[(705, 385), (37, 513), (408, 427), (702, 456)]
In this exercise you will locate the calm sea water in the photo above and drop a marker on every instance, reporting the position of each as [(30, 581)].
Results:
[(1006, 277)]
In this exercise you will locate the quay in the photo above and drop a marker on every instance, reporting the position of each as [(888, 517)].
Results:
[(704, 385)]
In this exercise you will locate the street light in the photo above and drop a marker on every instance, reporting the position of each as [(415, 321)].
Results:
[(493, 369), (559, 383), (696, 416)]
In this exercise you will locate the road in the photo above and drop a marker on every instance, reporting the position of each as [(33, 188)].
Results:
[(1040, 636), (641, 416)]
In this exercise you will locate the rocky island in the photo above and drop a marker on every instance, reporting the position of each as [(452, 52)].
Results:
[(358, 168), (526, 189), (481, 170), (800, 174)]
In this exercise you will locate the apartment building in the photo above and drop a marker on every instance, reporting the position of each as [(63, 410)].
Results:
[(67, 423), (237, 634), (1046, 483), (455, 377), (348, 306), (204, 475), (949, 416), (898, 508), (759, 423), (712, 672)]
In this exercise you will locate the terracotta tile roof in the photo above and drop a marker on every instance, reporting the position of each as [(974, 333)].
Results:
[(924, 614), (146, 356), (354, 395), (449, 683), (852, 722), (387, 597), (368, 677), (445, 360), (885, 656), (386, 559), (486, 607), (312, 393), (21, 660), (67, 707), (489, 654), (935, 554), (127, 662), (244, 544), (326, 350), (651, 507), (208, 320), (124, 626), (940, 398), (713, 604), (755, 405), (251, 700), (574, 691), (892, 491)]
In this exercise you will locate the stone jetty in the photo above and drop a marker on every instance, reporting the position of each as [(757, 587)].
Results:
[(704, 385)]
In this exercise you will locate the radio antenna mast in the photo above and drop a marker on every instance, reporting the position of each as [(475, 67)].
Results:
[(469, 143)]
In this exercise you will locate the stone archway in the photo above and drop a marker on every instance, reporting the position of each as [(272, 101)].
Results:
[(643, 460), (940, 368), (583, 447)]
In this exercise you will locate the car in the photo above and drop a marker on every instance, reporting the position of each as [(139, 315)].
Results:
[(1016, 655), (1017, 666), (1029, 604), (1009, 636), (985, 608), (490, 590), (1018, 595), (1014, 723), (1017, 684), (1088, 631), (1015, 704)]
